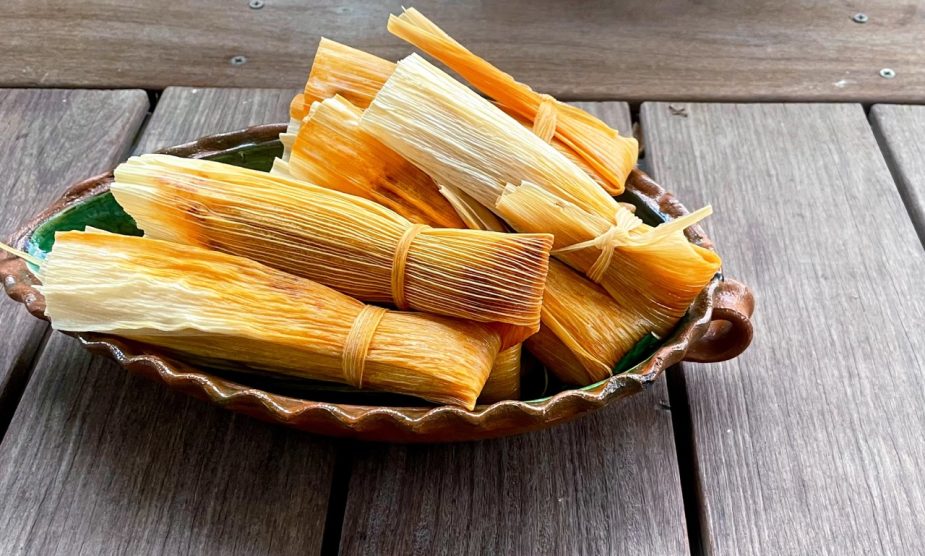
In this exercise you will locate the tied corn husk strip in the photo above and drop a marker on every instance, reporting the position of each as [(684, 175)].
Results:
[(504, 381), (339, 240), (653, 273), (330, 150), (600, 146), (223, 307), (356, 75), (462, 140)]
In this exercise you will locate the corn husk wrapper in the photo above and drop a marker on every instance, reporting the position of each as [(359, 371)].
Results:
[(330, 150), (339, 240), (341, 70), (504, 381), (223, 307), (600, 146), (654, 273), (462, 140), (585, 331), (357, 76)]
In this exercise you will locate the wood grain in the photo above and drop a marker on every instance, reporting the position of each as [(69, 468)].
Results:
[(606, 484), (810, 442), (97, 460), (47, 140), (632, 50), (900, 130)]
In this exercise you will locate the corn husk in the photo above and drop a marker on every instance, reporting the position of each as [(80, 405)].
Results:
[(654, 273), (223, 307), (330, 150), (462, 140), (584, 332), (600, 146), (358, 76), (342, 241), (504, 381), (580, 318), (341, 70)]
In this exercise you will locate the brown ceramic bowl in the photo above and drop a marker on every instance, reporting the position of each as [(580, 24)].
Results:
[(716, 328)]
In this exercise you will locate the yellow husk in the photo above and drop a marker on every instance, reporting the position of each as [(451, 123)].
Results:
[(655, 273), (584, 331), (582, 320), (222, 307), (464, 141), (339, 240), (330, 150), (601, 147), (357, 76), (504, 381), (341, 70)]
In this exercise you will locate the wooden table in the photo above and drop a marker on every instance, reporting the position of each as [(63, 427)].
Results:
[(809, 443)]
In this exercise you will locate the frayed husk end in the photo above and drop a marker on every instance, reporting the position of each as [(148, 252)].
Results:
[(611, 156), (331, 150)]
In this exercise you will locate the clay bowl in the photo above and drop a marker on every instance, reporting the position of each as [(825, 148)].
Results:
[(716, 328)]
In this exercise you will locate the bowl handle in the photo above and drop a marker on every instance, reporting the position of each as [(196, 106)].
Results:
[(730, 329)]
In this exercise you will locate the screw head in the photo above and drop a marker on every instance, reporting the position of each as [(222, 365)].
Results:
[(860, 18), (237, 60), (256, 4), (887, 73)]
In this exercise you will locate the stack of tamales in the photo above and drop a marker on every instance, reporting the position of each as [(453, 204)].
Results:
[(399, 188)]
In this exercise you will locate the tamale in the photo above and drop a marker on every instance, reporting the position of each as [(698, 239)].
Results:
[(222, 307), (341, 70), (654, 272), (358, 76), (464, 141), (601, 147), (351, 244), (504, 381), (330, 150)]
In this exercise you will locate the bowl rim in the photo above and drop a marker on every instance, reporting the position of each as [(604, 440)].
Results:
[(429, 424)]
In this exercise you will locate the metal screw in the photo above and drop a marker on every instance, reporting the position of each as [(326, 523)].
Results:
[(256, 4), (887, 73), (857, 18), (237, 60)]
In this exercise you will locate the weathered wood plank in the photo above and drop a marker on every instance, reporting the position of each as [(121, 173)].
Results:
[(810, 442), (97, 460), (192, 114), (48, 139), (639, 50), (606, 484), (900, 130)]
